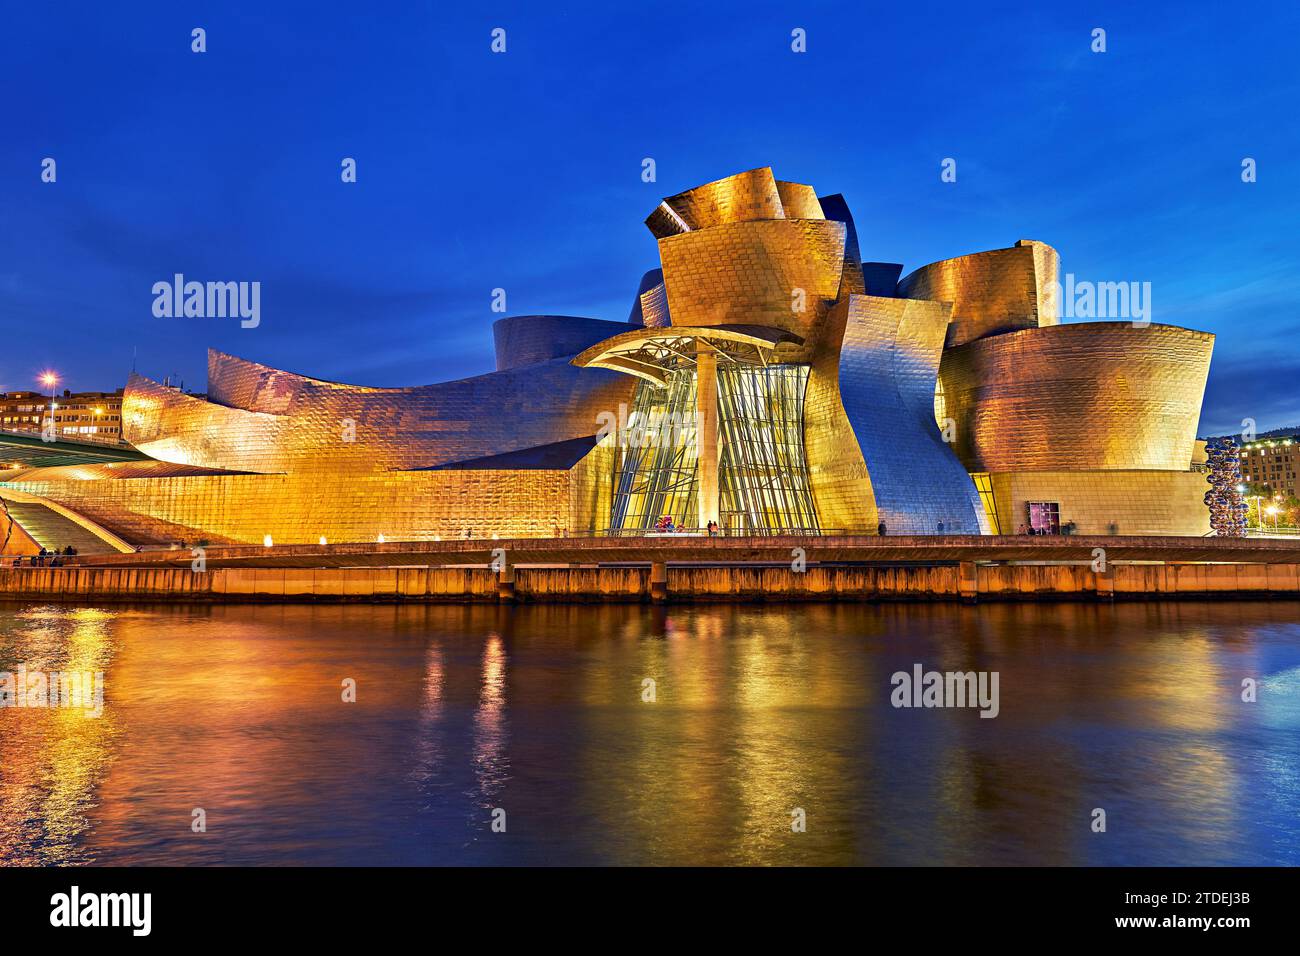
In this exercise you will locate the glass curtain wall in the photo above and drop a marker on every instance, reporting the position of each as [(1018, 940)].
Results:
[(655, 469), (763, 473)]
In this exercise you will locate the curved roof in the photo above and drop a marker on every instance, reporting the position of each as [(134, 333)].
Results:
[(744, 197), (631, 352), (528, 339), (991, 292), (751, 196), (262, 419)]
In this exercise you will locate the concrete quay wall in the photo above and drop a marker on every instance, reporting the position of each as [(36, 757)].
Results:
[(967, 581)]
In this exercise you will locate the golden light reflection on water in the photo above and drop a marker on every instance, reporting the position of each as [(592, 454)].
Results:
[(742, 733), (52, 759), (491, 761), (430, 752), (756, 711)]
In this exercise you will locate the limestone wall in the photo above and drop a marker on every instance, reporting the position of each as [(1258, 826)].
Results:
[(300, 509), (1135, 502)]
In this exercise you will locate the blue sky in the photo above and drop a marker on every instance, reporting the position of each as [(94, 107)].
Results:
[(523, 170)]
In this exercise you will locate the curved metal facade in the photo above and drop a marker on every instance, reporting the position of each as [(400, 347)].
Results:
[(529, 339), (842, 489), (747, 273), (171, 426), (652, 283), (852, 279), (744, 197), (799, 201), (653, 304), (888, 365), (1075, 397), (1002, 290), (292, 423)]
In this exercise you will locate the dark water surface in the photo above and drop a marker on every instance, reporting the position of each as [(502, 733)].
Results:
[(1134, 708)]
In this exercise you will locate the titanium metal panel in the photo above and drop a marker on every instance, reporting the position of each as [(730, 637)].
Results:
[(528, 339), (834, 207), (744, 197), (779, 273), (881, 278), (327, 427), (651, 280), (799, 201), (1075, 397), (990, 292), (889, 361)]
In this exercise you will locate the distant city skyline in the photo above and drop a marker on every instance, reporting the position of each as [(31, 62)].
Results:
[(522, 170)]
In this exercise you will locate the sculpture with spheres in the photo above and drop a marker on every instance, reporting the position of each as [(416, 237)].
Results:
[(1227, 507)]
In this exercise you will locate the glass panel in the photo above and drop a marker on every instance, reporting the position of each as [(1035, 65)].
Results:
[(1044, 517), (654, 474), (763, 473), (984, 485)]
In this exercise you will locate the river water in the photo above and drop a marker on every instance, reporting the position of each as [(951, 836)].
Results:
[(232, 721)]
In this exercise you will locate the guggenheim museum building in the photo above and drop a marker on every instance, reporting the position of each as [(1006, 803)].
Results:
[(767, 379)]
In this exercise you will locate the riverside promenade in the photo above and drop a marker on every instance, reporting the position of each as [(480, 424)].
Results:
[(673, 569)]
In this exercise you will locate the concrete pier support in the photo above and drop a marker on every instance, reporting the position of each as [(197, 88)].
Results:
[(967, 582), (1105, 585), (706, 423), (659, 582), (506, 583)]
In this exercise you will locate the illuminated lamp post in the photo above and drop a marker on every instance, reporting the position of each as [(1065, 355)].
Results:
[(50, 381)]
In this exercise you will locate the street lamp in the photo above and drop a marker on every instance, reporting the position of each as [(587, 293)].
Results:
[(1272, 510), (50, 380)]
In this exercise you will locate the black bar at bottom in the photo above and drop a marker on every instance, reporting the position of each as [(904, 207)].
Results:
[(331, 905)]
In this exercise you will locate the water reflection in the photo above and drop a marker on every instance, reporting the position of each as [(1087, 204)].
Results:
[(757, 710), (429, 745), (491, 762), (52, 759)]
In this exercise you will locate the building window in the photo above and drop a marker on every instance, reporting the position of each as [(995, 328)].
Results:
[(984, 485), (1044, 517)]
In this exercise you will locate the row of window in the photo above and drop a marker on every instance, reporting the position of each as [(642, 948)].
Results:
[(59, 407)]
